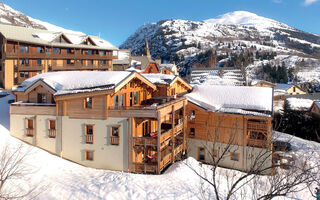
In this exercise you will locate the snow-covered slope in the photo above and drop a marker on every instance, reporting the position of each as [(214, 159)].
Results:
[(13, 17), (232, 39)]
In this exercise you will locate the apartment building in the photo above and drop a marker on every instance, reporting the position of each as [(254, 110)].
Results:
[(115, 120), (26, 52)]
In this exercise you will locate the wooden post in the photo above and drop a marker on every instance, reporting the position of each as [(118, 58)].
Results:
[(158, 142), (184, 125), (172, 134), (130, 145)]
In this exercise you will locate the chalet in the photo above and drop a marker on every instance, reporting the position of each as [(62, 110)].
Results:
[(315, 109), (26, 52), (289, 89), (169, 69), (115, 120), (233, 117), (262, 83)]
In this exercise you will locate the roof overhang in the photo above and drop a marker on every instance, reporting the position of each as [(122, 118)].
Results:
[(132, 76)]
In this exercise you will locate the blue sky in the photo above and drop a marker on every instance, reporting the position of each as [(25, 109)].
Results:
[(117, 20)]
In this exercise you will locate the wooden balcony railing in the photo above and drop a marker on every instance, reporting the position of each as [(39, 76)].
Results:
[(166, 135), (257, 143), (29, 132), (115, 140), (257, 126), (89, 139), (165, 161), (146, 168), (50, 55), (141, 141), (178, 149), (178, 128), (52, 133)]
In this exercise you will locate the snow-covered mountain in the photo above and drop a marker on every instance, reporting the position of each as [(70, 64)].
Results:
[(228, 37), (10, 16)]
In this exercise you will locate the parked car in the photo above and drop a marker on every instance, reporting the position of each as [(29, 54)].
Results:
[(3, 93), (281, 146)]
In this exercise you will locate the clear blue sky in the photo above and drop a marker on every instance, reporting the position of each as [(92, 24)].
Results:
[(116, 20)]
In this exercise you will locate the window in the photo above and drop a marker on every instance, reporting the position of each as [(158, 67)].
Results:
[(234, 156), (89, 134), (26, 74), (256, 135), (215, 153), (88, 102), (192, 132), (29, 127), (56, 50), (89, 52), (89, 155), (70, 62), (69, 51), (173, 91), (118, 100), (294, 89), (21, 74), (103, 52), (24, 49), (145, 129), (121, 100), (103, 62), (52, 128), (42, 98), (40, 50), (192, 115), (24, 61), (91, 62), (201, 154), (115, 135), (39, 62), (136, 98)]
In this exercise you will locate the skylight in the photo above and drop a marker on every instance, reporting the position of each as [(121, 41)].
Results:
[(35, 36)]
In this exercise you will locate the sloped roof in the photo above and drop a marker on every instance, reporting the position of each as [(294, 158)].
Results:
[(123, 57), (74, 81), (232, 99), (165, 79), (254, 82), (145, 60), (282, 86), (45, 37)]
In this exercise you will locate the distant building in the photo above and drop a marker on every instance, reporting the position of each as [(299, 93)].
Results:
[(124, 60), (262, 83), (169, 69), (290, 89), (315, 109), (27, 52)]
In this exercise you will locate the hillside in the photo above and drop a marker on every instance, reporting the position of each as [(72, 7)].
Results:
[(12, 17), (231, 40)]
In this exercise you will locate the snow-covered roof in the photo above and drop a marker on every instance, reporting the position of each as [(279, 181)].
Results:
[(282, 86), (233, 99), (254, 82), (299, 104), (123, 57), (159, 78), (76, 81), (45, 37)]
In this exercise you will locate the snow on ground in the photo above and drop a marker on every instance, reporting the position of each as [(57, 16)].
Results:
[(299, 104), (61, 179)]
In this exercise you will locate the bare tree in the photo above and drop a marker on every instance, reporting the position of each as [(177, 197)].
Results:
[(15, 181), (264, 178)]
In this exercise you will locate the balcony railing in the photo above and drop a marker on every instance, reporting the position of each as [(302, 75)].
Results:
[(140, 141), (115, 140), (178, 149), (165, 161), (257, 126), (29, 132), (256, 143), (89, 139), (147, 168), (52, 133)]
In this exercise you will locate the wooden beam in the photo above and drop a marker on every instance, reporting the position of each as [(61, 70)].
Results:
[(158, 143)]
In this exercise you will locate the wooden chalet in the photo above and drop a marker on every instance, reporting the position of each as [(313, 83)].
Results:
[(26, 52), (110, 120), (315, 109), (238, 118)]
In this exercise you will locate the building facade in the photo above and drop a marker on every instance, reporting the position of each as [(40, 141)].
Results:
[(108, 120), (26, 52)]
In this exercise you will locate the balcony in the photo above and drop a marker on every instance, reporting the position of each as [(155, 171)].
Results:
[(89, 138), (80, 67), (114, 140), (32, 108), (30, 67), (257, 126), (166, 160), (50, 55), (144, 141), (52, 133), (29, 132), (178, 149), (146, 168)]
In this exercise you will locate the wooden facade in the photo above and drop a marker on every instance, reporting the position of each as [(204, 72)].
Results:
[(232, 129), (156, 134), (21, 60)]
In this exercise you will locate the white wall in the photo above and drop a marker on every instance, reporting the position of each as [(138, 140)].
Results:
[(246, 154), (106, 156)]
